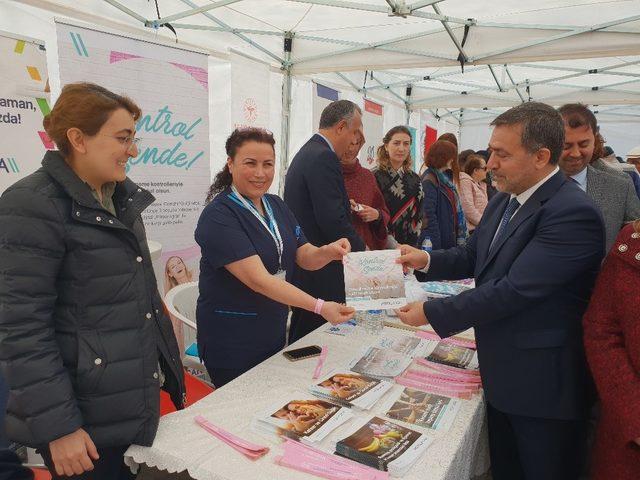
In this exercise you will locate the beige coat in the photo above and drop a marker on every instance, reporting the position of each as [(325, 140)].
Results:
[(473, 196)]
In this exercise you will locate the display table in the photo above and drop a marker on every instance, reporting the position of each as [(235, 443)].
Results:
[(181, 445)]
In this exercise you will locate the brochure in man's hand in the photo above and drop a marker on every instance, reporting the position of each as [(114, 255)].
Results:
[(373, 280), (383, 444), (351, 389)]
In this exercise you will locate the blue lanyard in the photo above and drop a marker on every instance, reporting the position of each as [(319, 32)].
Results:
[(272, 228)]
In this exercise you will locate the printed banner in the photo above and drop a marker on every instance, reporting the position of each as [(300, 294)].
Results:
[(430, 137), (250, 81), (24, 100), (415, 155), (322, 96), (171, 86), (372, 121)]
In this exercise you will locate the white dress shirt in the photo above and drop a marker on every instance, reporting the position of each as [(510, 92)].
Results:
[(581, 179)]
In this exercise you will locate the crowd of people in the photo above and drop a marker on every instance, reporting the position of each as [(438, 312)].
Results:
[(85, 343)]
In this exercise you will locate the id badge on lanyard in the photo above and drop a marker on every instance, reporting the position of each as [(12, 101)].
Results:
[(275, 233)]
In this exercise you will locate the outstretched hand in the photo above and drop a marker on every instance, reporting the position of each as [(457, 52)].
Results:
[(336, 313), (413, 314), (411, 257), (337, 249)]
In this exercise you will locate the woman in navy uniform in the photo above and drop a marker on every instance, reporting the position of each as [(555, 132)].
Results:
[(251, 243)]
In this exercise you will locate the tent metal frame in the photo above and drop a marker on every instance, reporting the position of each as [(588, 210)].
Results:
[(400, 8)]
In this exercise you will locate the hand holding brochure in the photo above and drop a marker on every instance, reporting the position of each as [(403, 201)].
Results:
[(373, 280)]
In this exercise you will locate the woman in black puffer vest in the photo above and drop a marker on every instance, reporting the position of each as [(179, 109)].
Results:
[(84, 340)]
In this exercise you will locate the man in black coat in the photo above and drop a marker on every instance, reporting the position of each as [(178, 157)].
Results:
[(315, 193)]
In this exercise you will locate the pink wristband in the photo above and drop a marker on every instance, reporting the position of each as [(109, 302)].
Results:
[(318, 308)]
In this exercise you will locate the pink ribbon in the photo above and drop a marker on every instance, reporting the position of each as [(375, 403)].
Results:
[(248, 449), (460, 342), (321, 359), (308, 459)]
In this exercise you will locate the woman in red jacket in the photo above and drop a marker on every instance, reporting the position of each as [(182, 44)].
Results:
[(612, 342), (370, 215)]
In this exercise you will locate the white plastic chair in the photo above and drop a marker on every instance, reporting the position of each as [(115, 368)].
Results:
[(181, 302)]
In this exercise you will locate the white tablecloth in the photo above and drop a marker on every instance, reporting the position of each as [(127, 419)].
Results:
[(181, 445)]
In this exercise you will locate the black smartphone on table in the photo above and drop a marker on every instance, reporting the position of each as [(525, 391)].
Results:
[(302, 353)]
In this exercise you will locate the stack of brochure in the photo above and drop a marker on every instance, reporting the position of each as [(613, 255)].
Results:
[(451, 354), (308, 421), (423, 409), (384, 445), (380, 363), (447, 369), (351, 389)]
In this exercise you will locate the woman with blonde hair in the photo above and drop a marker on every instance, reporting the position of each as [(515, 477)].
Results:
[(176, 273), (400, 186), (612, 344)]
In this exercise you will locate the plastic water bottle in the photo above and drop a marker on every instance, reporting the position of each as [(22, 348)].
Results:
[(374, 322), (427, 246)]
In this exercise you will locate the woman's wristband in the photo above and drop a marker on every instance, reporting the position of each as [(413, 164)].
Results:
[(318, 307)]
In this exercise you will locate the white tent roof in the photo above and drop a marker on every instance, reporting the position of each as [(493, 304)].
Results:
[(550, 50)]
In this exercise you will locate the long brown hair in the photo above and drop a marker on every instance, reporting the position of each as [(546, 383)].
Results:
[(439, 154), (85, 106), (382, 157), (238, 137)]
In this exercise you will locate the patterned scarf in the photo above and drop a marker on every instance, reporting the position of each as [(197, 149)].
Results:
[(461, 230)]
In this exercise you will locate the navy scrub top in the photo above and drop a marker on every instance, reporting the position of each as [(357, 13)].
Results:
[(237, 327)]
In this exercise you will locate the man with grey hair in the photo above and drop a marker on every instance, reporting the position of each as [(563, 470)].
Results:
[(316, 194), (535, 256)]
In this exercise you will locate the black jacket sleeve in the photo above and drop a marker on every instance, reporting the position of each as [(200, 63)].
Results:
[(327, 192)]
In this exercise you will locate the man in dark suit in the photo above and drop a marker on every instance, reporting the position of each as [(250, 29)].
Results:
[(612, 191), (315, 193), (534, 256)]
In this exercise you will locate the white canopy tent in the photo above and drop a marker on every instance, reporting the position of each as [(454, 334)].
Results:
[(451, 64)]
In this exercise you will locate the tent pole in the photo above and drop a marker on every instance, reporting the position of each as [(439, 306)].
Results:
[(286, 111)]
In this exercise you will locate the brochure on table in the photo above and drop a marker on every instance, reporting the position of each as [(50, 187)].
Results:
[(383, 444)]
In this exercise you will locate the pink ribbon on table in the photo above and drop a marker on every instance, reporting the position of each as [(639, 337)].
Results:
[(460, 342), (425, 387), (447, 368), (251, 450), (321, 360), (443, 383), (308, 459), (460, 377)]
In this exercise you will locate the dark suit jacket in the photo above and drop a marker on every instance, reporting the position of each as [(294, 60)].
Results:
[(315, 193), (531, 292)]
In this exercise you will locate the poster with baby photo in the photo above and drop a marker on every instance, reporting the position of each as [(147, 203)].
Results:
[(373, 280)]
